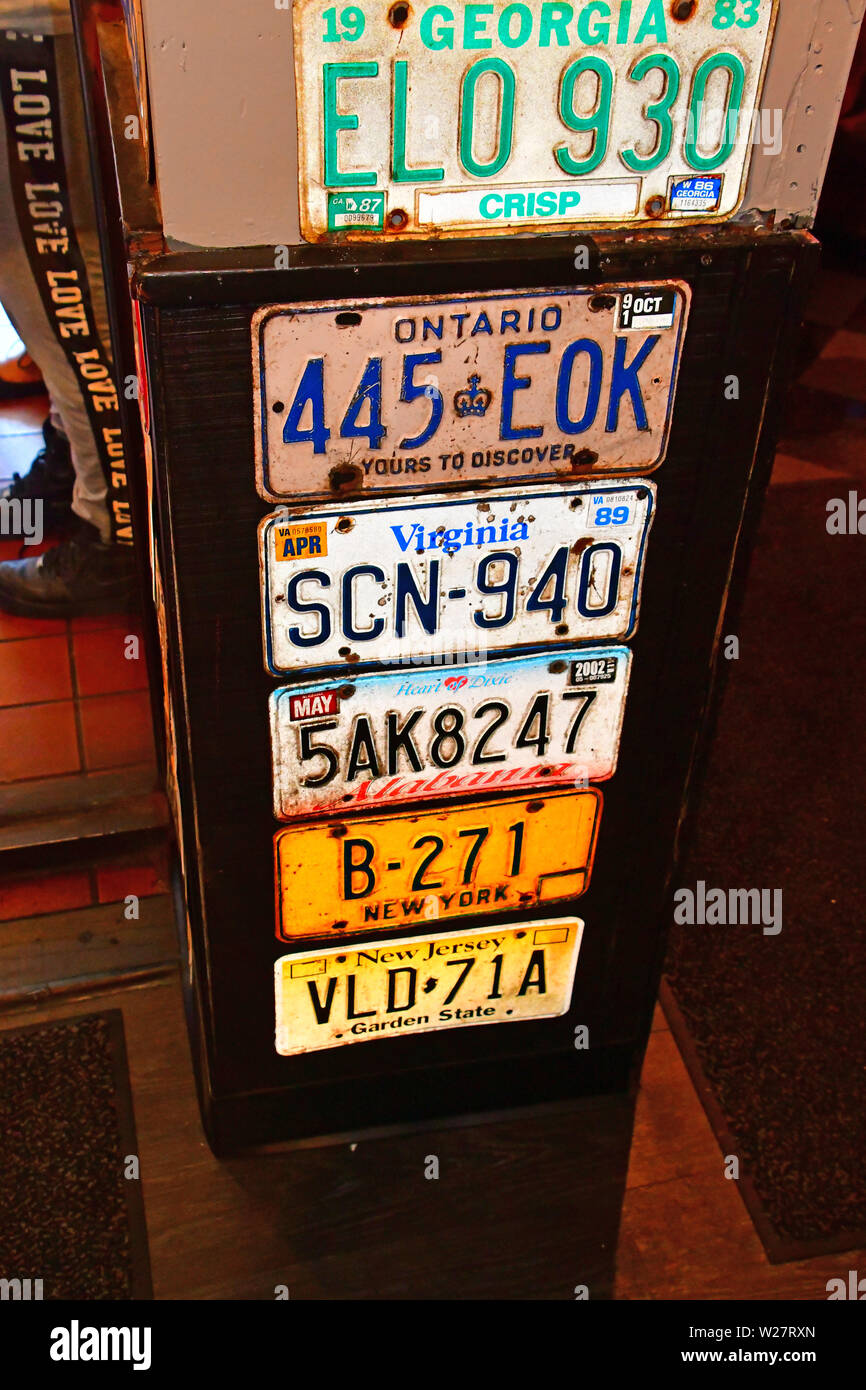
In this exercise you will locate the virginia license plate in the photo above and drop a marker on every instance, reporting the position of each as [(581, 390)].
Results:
[(383, 739), (408, 394), (383, 582), (391, 989), (475, 120), (397, 870)]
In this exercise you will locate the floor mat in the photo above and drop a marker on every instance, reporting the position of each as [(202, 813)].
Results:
[(69, 1215), (772, 1027)]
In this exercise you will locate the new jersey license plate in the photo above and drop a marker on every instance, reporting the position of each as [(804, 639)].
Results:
[(383, 582), (413, 394), (429, 119), (449, 731), (396, 870), (391, 989)]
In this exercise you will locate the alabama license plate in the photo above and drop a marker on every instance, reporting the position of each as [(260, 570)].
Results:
[(449, 731), (385, 582), (423, 119), (391, 989), (408, 394), (393, 871)]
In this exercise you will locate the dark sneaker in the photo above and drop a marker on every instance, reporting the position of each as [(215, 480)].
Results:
[(20, 376), (80, 575), (50, 480)]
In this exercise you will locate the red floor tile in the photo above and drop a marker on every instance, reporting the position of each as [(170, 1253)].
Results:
[(101, 666), (27, 897), (38, 741), (35, 670), (117, 730), (96, 622), (117, 882), (10, 626)]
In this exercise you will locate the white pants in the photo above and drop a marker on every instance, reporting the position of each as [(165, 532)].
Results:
[(21, 299)]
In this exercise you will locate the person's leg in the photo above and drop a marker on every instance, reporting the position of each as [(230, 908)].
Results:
[(20, 295), (89, 571)]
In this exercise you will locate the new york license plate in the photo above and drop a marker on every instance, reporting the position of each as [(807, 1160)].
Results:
[(392, 989), (384, 739), (414, 394), (397, 870), (423, 119), (383, 582)]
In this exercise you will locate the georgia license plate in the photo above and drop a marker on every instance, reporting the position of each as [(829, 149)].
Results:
[(406, 394), (465, 119), (396, 870), (383, 582), (390, 989), (388, 738)]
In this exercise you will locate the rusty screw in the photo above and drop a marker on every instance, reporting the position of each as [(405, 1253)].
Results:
[(397, 219), (655, 207)]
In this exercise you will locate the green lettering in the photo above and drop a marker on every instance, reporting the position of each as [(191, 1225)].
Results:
[(600, 32), (654, 24), (473, 26), (399, 168), (444, 36), (554, 22), (506, 116), (334, 122)]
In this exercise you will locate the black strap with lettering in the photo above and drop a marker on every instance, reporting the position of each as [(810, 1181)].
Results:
[(37, 173)]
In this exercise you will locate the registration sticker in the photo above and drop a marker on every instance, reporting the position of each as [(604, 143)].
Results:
[(395, 870), (392, 989), (386, 395), (695, 194), (480, 571), (388, 738)]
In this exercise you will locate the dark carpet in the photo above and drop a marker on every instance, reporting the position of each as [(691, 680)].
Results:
[(773, 1028), (68, 1215)]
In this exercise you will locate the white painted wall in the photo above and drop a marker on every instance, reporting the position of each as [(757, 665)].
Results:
[(225, 131)]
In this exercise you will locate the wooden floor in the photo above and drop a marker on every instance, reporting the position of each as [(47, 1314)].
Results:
[(306, 1220)]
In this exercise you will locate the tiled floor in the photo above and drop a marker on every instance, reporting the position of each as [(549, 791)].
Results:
[(143, 873), (73, 695)]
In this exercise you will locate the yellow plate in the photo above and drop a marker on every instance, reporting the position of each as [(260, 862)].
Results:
[(390, 989), (399, 870)]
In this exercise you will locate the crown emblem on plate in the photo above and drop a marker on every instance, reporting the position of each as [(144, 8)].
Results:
[(473, 399)]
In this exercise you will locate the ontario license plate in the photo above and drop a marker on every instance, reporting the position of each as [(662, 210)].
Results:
[(446, 731), (391, 989), (396, 870), (409, 394), (383, 582), (475, 120)]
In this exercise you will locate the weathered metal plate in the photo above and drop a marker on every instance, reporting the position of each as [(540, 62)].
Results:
[(380, 740), (406, 394), (478, 572), (477, 120), (391, 989), (396, 870)]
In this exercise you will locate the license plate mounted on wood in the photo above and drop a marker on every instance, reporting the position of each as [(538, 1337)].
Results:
[(396, 870), (393, 989), (391, 582), (422, 119), (382, 740), (390, 395)]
